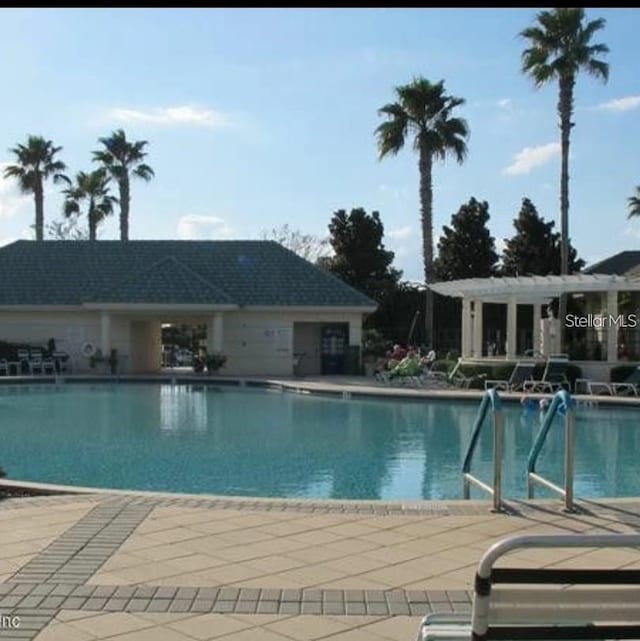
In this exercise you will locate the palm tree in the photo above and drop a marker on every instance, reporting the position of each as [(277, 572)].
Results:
[(634, 204), (123, 159), (92, 188), (560, 47), (423, 111), (35, 164)]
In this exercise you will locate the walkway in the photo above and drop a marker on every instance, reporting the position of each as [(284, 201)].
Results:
[(118, 567)]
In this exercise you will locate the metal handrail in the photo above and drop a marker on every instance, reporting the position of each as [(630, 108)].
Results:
[(561, 400), (490, 401)]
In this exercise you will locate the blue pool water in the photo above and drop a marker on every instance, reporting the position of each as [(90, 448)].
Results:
[(265, 443)]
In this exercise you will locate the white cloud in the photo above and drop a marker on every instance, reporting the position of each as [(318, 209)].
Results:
[(620, 104), (501, 245), (182, 115), (400, 233), (12, 202), (506, 104), (195, 227), (529, 158)]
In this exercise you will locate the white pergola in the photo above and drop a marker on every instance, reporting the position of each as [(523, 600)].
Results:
[(528, 290)]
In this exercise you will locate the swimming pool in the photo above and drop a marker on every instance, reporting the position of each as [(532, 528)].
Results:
[(254, 442)]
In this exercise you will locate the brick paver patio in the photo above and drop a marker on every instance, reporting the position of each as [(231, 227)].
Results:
[(136, 567)]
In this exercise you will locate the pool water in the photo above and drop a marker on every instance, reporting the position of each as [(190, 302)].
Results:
[(250, 442)]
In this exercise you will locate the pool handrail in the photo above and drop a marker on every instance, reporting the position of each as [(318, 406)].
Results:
[(561, 400), (490, 402)]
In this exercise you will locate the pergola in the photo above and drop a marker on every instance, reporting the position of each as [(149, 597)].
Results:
[(529, 290)]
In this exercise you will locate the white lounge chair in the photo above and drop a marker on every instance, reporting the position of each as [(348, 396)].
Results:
[(553, 378), (631, 385), (579, 612), (522, 372)]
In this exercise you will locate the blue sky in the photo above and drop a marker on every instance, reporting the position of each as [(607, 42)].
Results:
[(257, 118)]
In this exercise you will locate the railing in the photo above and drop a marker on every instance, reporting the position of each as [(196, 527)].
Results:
[(561, 401), (490, 403)]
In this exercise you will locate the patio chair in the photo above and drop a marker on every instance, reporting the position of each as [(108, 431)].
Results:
[(582, 611), (631, 385), (35, 361), (553, 378), (62, 362), (23, 359), (457, 378), (522, 372), (4, 366)]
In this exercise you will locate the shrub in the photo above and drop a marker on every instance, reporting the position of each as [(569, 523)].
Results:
[(215, 361)]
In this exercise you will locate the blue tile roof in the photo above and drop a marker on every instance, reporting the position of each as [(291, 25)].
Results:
[(221, 272)]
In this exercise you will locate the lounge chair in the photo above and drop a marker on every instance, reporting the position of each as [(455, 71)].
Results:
[(553, 378), (4, 366), (579, 612), (457, 378), (522, 372), (631, 384)]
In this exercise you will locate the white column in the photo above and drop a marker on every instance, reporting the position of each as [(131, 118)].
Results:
[(537, 329), (466, 328), (512, 327), (612, 330), (355, 332), (105, 333), (215, 333), (477, 328)]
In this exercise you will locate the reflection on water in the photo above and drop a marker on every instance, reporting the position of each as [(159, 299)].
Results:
[(248, 442)]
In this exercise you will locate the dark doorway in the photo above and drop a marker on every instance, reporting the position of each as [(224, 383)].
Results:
[(335, 339)]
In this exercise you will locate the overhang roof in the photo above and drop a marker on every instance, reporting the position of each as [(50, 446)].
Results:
[(532, 289)]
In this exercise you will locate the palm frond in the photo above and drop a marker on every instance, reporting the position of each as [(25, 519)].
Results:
[(634, 205)]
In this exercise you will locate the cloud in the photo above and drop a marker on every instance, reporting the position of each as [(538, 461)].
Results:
[(529, 158), (194, 227), (501, 245), (12, 201), (506, 104), (620, 104), (182, 115), (400, 233)]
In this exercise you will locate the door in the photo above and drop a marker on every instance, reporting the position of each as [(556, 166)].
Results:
[(334, 348)]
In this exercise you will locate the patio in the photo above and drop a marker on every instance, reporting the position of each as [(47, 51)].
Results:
[(142, 567)]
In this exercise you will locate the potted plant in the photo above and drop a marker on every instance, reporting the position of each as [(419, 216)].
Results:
[(215, 361)]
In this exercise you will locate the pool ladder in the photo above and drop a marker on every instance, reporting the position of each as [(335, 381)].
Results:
[(491, 404), (563, 403)]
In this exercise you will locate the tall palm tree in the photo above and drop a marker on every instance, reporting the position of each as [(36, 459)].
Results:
[(92, 188), (634, 204), (423, 111), (123, 159), (35, 164), (560, 46)]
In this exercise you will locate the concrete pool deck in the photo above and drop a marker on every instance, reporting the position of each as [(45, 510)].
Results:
[(129, 567)]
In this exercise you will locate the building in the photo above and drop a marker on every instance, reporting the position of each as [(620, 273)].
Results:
[(264, 307)]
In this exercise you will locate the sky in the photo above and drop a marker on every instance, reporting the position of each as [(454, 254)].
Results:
[(257, 118)]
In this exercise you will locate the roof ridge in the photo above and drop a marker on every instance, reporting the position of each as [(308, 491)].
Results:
[(171, 258)]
